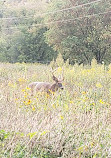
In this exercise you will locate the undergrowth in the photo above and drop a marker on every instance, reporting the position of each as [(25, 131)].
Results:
[(72, 123)]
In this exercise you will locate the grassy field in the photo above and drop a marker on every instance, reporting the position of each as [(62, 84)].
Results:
[(73, 123)]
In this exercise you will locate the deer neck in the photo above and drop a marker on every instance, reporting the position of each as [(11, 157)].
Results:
[(54, 87)]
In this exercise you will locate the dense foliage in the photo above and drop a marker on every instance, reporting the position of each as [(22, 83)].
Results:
[(81, 33), (21, 40), (83, 38)]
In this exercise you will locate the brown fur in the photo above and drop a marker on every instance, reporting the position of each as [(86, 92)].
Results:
[(46, 86)]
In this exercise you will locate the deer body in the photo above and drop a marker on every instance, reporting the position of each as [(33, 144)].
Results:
[(46, 86), (43, 86)]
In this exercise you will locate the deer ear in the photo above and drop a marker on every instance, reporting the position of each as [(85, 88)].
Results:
[(55, 79)]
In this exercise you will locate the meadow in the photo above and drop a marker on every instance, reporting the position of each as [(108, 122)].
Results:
[(72, 123)]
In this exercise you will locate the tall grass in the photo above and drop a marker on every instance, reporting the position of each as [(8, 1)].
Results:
[(72, 123)]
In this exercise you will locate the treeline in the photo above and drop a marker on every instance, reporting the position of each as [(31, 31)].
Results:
[(78, 33)]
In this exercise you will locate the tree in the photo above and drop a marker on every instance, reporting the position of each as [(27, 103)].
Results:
[(81, 39), (34, 48), (3, 55), (29, 46), (24, 42)]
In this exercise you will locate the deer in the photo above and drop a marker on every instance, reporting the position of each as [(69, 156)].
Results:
[(46, 86)]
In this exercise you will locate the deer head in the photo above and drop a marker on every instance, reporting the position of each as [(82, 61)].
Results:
[(57, 84)]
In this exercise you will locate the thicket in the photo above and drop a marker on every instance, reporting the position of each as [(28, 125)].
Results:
[(32, 36)]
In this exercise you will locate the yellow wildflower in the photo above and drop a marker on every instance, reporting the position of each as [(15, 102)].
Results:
[(93, 104), (98, 85), (101, 101), (23, 90), (61, 117), (28, 88), (71, 101), (44, 132), (47, 95), (21, 80), (33, 108), (24, 102), (54, 106), (84, 92), (59, 69), (29, 101)]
